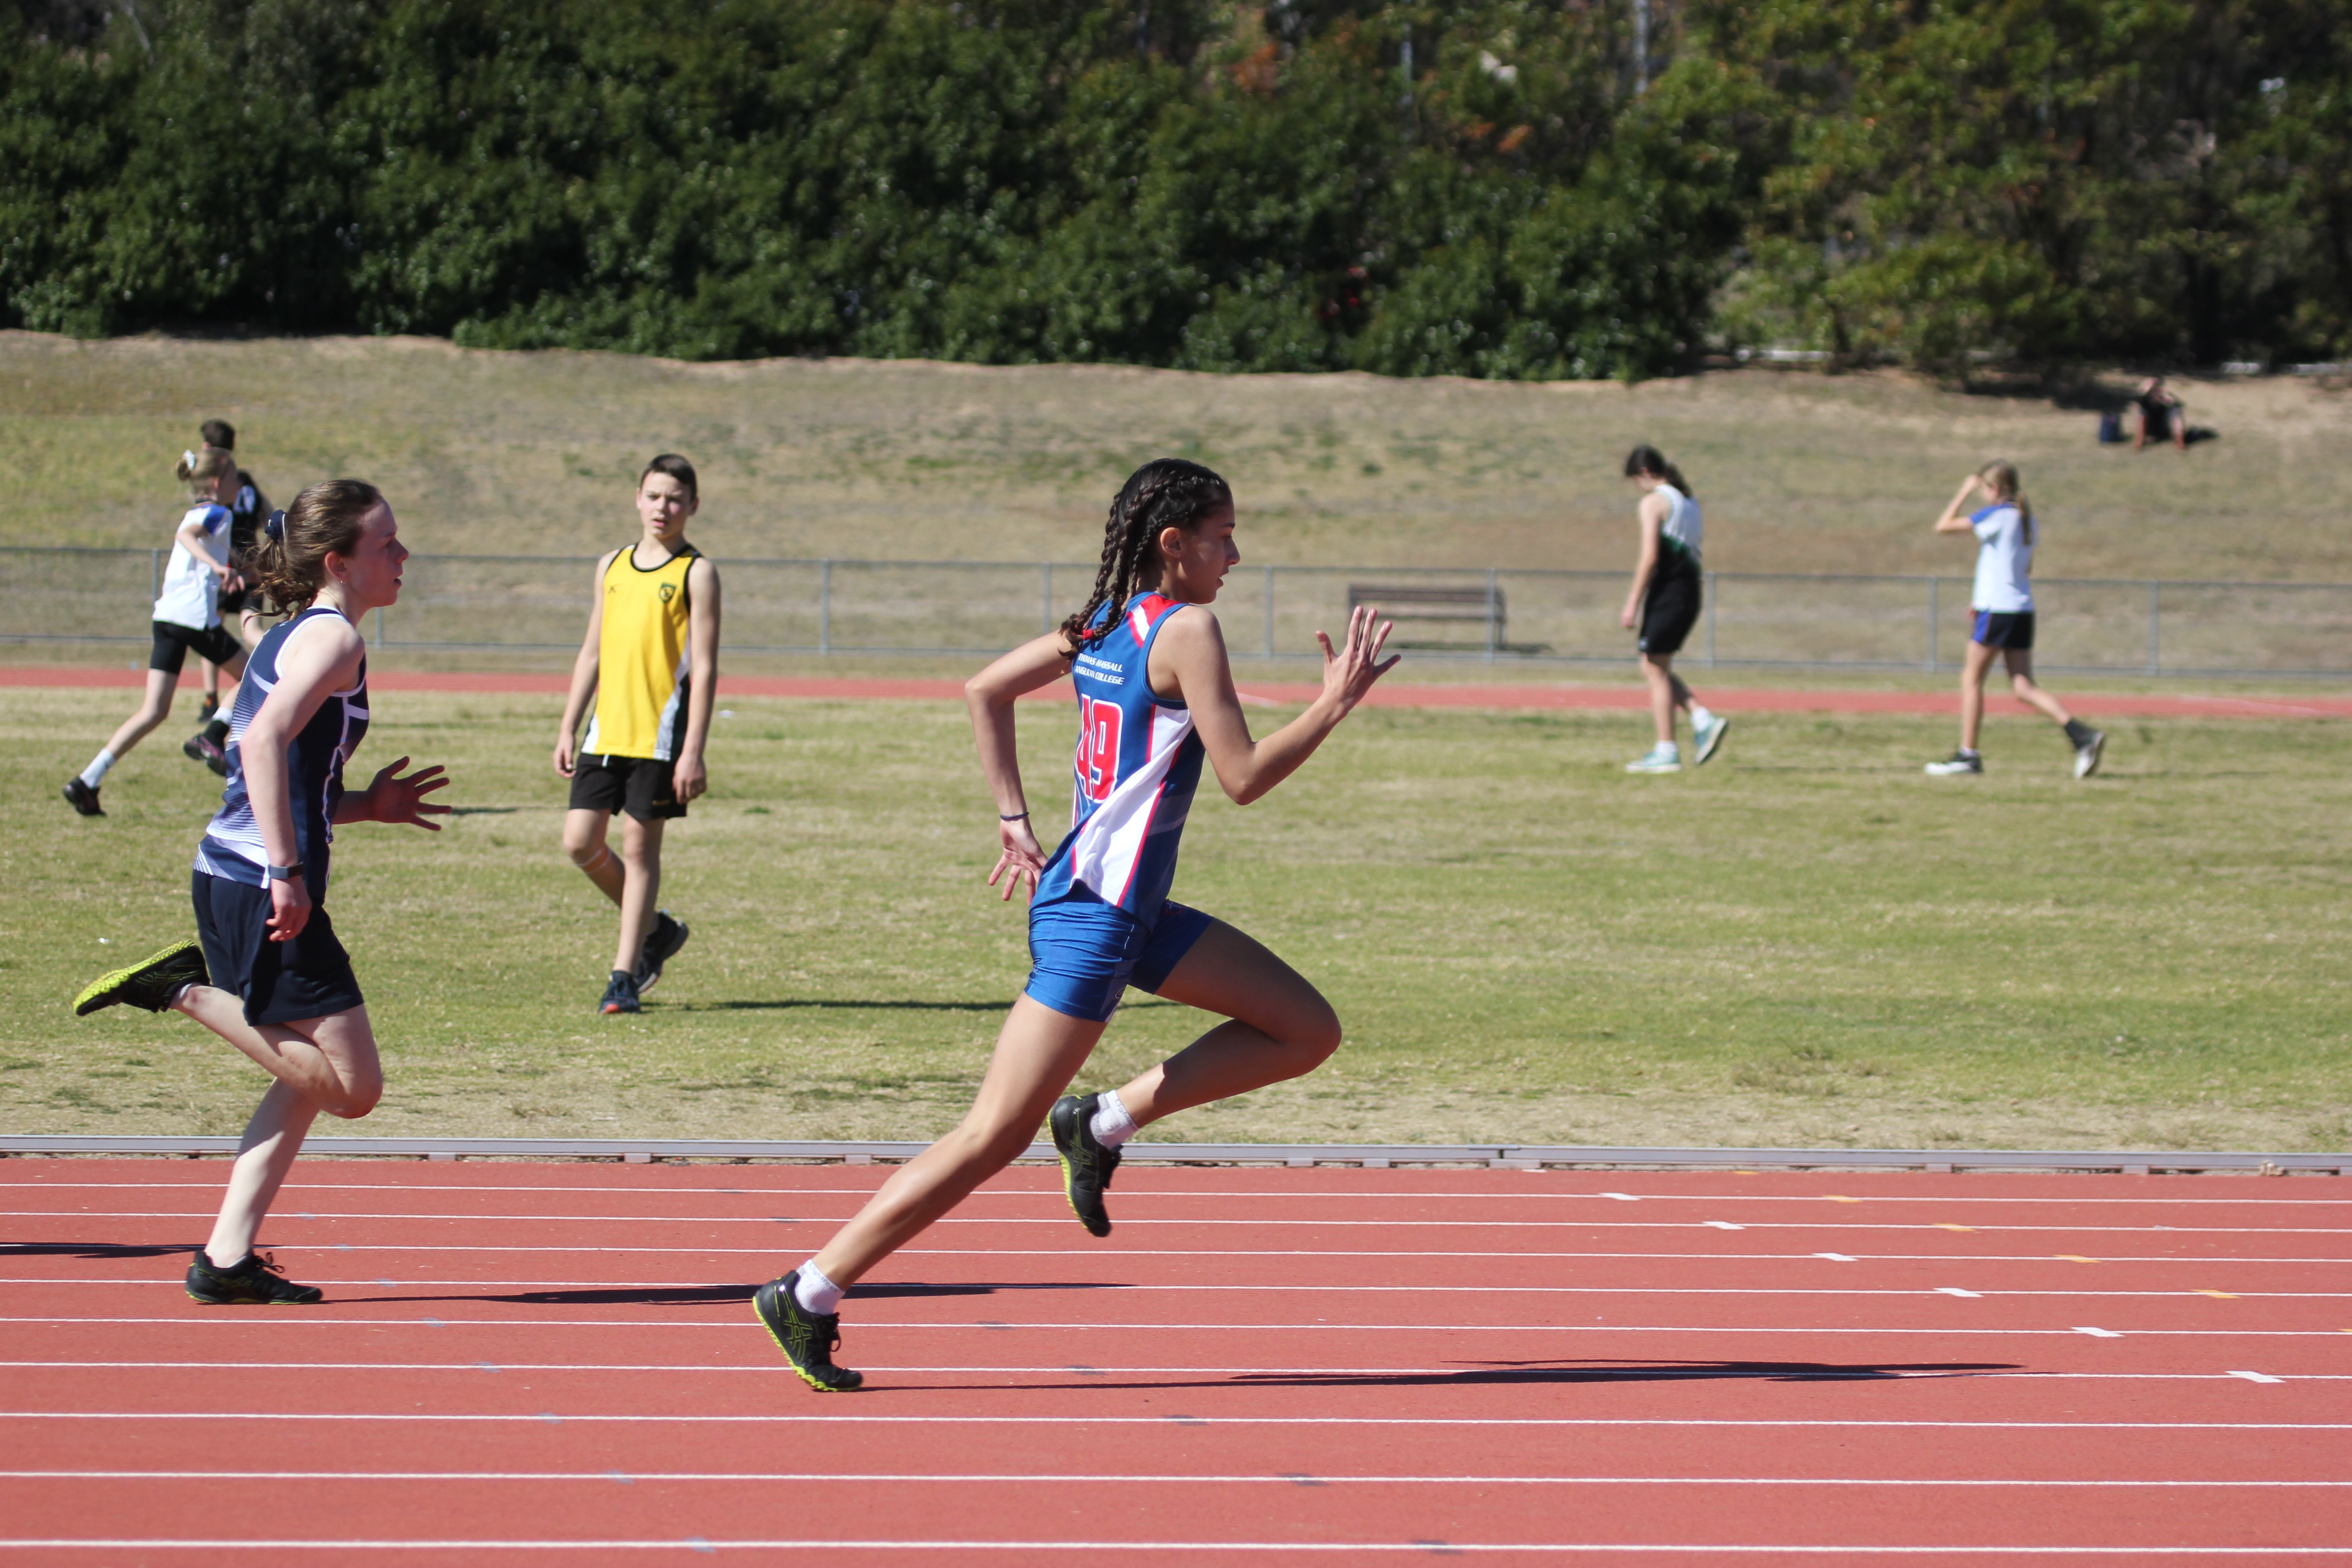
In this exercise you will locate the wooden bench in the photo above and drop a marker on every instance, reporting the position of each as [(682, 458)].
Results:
[(1474, 606)]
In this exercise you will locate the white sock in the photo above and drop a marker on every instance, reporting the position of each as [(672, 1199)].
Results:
[(1668, 749), (814, 1293), (1112, 1126), (1701, 716), (95, 774)]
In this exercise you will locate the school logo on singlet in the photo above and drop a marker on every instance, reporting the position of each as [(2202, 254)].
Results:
[(668, 592)]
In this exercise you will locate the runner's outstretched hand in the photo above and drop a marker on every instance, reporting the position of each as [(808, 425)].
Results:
[(394, 799), (1350, 672)]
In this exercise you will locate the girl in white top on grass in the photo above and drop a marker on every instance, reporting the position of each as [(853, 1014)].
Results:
[(1664, 603), (186, 619), (2003, 605)]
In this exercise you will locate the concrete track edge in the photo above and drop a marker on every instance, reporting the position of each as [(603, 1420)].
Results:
[(1503, 1156)]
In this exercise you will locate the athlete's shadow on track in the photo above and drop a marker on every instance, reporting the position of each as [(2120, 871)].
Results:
[(716, 1295), (794, 1002), (1492, 1374), (92, 1249)]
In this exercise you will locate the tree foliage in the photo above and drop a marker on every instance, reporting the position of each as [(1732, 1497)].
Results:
[(1475, 189)]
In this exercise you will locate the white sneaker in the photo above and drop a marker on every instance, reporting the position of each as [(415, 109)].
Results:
[(1707, 737), (1957, 763), (2086, 755), (1661, 759)]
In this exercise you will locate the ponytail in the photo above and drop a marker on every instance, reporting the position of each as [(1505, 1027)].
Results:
[(1647, 460), (1167, 492), (198, 469), (325, 519), (2001, 476)]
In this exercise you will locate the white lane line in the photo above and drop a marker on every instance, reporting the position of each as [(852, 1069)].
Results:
[(2098, 1334), (1591, 1373), (1721, 1225), (1293, 1548), (1127, 1287), (282, 1320), (284, 1216), (1621, 1198), (1371, 1193), (1155, 1478), (2257, 1377), (1837, 1257), (1383, 1422), (683, 1249), (1956, 1290)]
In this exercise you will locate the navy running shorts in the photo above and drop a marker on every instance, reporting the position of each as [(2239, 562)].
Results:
[(174, 642), (2004, 629), (1668, 612), (641, 786), (279, 982), (1084, 953)]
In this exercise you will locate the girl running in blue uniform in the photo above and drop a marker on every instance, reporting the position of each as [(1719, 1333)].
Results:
[(1155, 696), (266, 972), (2003, 607)]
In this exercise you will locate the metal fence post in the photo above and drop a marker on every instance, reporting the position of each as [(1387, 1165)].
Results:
[(2155, 628), (1490, 614), (1934, 614), (825, 606), (1270, 612), (1712, 579)]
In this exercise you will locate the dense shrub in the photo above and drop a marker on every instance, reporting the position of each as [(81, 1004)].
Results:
[(1189, 185)]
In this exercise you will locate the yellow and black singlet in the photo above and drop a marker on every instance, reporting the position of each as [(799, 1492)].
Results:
[(641, 659)]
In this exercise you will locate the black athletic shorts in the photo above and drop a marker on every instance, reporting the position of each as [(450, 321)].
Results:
[(232, 606), (1669, 612), (638, 786), (173, 642), (2003, 628), (281, 982)]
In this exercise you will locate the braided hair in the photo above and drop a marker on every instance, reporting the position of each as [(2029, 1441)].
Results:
[(1167, 492)]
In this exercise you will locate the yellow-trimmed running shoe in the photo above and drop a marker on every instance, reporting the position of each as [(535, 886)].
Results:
[(807, 1338), (151, 983), (255, 1282), (1086, 1165)]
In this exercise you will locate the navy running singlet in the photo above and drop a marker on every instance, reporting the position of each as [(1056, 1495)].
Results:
[(232, 846), (1138, 760)]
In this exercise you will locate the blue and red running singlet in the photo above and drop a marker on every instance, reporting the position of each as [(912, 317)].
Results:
[(1138, 760)]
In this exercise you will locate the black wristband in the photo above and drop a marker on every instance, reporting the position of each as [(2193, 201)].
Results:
[(1017, 817)]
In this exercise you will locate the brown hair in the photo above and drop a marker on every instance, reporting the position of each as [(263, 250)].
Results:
[(218, 432), (325, 519), (1647, 460), (1167, 492), (198, 470), (677, 467), (2001, 476)]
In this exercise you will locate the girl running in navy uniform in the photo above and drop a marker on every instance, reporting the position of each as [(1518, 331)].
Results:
[(2003, 605), (1155, 696), (267, 974), (1664, 603), (187, 616)]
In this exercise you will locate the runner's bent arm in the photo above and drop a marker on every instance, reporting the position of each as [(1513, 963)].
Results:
[(1956, 517), (686, 775), (1652, 516), (191, 534), (1191, 651), (319, 662), (584, 672), (1031, 666)]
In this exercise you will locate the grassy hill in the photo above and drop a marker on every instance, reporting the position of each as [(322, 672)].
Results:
[(488, 451)]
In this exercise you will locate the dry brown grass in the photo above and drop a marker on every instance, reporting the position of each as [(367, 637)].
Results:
[(534, 452)]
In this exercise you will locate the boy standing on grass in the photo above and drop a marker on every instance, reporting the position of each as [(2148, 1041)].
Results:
[(649, 663)]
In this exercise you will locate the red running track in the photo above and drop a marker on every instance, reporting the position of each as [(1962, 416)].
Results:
[(1728, 699), (557, 1363)]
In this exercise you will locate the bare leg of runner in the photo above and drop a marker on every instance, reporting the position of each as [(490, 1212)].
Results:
[(330, 1062), (1667, 693), (271, 1140), (2021, 681), (1973, 666)]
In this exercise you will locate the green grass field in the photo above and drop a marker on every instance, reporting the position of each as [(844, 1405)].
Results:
[(1805, 942)]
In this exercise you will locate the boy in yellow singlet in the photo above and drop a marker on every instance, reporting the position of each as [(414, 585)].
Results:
[(650, 664)]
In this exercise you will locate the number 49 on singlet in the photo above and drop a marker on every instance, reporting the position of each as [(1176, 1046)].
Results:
[(1098, 762)]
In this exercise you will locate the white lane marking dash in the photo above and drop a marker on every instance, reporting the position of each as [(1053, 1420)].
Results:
[(1622, 1197), (2097, 1334), (2257, 1377), (1722, 1224), (1956, 1290), (1837, 1257)]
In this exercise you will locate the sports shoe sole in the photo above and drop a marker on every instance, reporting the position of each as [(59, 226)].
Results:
[(1714, 741), (2086, 758), (92, 809), (1653, 767), (768, 1292)]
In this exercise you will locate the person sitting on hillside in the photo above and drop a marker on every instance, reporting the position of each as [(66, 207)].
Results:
[(2160, 413)]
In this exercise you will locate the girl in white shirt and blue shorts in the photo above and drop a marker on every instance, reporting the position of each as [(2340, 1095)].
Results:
[(2003, 607)]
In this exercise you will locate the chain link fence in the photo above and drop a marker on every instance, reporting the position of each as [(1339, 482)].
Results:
[(493, 603)]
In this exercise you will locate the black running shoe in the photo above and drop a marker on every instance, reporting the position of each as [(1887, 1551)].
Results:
[(1086, 1165), (661, 946), (257, 1281), (151, 984), (807, 1338), (81, 798), (211, 706), (202, 748), (620, 995)]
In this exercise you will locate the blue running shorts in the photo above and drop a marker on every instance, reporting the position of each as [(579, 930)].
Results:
[(1084, 953)]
